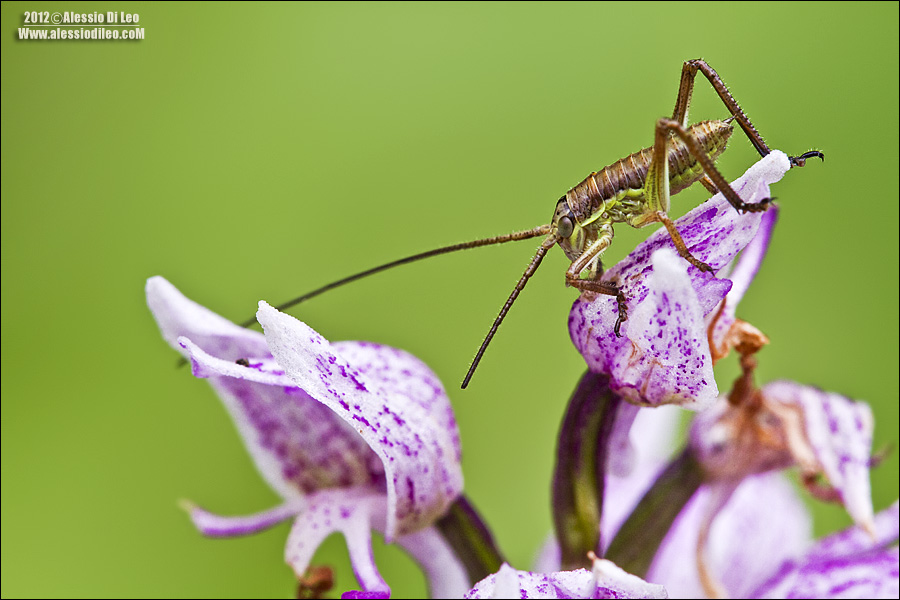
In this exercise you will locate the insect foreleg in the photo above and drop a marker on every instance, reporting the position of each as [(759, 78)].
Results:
[(590, 260), (590, 255)]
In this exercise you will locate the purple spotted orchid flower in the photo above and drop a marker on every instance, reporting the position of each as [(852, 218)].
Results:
[(664, 355), (740, 445), (718, 520), (353, 436), (744, 532), (358, 437), (747, 528)]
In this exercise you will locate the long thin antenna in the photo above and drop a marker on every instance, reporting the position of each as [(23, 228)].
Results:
[(529, 271), (499, 239)]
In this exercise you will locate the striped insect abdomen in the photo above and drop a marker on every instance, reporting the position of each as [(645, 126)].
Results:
[(684, 169), (626, 177)]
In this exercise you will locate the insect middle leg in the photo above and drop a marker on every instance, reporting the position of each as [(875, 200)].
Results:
[(709, 185), (656, 187), (679, 242)]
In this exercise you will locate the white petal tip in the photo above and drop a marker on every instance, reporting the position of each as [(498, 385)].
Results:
[(265, 313)]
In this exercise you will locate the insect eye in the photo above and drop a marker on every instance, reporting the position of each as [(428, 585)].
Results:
[(564, 227)]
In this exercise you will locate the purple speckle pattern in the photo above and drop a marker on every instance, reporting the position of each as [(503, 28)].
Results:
[(848, 564), (393, 401), (606, 581), (871, 575), (663, 356), (298, 445), (354, 416), (839, 433)]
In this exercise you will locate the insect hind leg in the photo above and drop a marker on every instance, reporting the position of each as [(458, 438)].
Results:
[(800, 161), (683, 102), (686, 90)]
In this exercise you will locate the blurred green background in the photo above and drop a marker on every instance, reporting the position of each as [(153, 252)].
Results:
[(251, 152)]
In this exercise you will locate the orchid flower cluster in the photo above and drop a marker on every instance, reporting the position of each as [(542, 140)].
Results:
[(356, 437)]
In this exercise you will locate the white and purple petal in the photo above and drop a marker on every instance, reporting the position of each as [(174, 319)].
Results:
[(354, 513), (445, 573), (605, 580), (213, 525), (298, 444), (762, 524), (838, 432), (663, 356), (179, 316), (848, 564), (383, 411), (403, 417), (714, 233), (869, 576), (855, 540)]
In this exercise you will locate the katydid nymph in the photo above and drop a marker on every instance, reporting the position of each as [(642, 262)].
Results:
[(634, 190)]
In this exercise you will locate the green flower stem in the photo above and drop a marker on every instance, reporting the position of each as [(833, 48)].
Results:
[(470, 539), (640, 536), (578, 479)]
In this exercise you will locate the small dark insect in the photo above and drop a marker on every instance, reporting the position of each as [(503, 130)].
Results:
[(243, 362), (634, 190)]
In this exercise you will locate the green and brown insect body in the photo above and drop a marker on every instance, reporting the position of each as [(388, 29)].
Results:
[(629, 191), (635, 190)]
